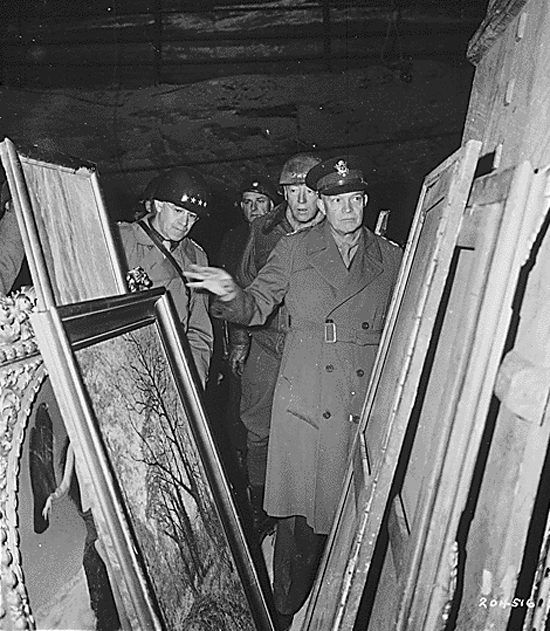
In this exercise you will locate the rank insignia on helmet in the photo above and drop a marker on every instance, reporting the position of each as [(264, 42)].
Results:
[(183, 186), (295, 169)]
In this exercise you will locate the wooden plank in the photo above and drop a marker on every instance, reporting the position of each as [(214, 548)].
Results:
[(499, 16), (499, 529), (473, 345)]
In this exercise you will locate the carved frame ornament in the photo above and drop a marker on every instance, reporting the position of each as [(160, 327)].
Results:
[(21, 375)]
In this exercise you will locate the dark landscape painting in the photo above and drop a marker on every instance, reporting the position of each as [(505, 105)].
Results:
[(157, 464)]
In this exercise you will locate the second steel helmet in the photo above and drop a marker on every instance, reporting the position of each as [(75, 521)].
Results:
[(259, 184), (184, 187), (295, 169)]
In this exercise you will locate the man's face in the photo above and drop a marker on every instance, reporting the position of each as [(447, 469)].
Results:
[(173, 222), (255, 205), (344, 211), (302, 202)]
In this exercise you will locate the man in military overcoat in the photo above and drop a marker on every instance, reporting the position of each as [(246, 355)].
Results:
[(337, 280), (159, 243), (256, 352)]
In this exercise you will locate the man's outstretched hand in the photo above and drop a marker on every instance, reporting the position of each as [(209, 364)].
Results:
[(213, 279)]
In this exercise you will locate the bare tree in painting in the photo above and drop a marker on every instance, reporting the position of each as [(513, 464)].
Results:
[(148, 425)]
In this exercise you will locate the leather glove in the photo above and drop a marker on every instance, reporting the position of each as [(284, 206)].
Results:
[(237, 358)]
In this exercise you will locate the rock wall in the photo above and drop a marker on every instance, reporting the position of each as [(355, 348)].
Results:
[(229, 127)]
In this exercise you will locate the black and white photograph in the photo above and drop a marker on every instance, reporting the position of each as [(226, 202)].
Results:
[(274, 342)]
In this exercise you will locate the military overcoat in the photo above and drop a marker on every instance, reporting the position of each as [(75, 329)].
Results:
[(191, 306), (336, 317)]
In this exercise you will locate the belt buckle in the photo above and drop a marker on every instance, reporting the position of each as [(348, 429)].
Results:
[(330, 332)]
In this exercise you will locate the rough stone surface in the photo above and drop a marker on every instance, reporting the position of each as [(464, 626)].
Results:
[(230, 126)]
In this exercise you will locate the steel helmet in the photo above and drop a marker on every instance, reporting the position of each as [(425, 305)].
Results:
[(295, 169), (149, 191), (261, 185), (184, 187)]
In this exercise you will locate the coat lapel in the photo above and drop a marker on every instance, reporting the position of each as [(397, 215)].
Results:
[(365, 267), (324, 256)]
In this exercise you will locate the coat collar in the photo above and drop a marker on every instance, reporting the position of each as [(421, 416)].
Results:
[(324, 256)]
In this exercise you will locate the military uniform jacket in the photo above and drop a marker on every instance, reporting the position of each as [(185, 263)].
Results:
[(191, 306), (325, 367), (265, 233)]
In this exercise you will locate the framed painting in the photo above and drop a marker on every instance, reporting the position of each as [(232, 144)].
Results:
[(348, 558), (68, 240), (148, 472)]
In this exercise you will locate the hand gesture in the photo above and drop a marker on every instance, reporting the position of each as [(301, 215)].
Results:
[(215, 280)]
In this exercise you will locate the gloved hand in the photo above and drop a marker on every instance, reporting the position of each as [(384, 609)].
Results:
[(237, 358)]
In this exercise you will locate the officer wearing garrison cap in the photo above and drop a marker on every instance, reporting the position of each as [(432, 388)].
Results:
[(159, 243), (336, 279)]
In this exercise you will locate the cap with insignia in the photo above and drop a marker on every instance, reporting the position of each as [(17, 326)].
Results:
[(337, 175), (261, 185), (184, 187)]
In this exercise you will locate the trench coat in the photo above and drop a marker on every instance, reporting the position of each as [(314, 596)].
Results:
[(191, 306), (336, 319)]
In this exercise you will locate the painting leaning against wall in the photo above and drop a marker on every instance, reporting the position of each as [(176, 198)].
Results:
[(148, 468), (147, 435)]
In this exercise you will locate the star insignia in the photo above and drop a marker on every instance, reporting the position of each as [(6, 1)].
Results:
[(184, 197), (193, 200)]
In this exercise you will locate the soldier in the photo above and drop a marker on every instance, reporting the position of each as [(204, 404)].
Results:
[(336, 279), (258, 197), (256, 353), (159, 243)]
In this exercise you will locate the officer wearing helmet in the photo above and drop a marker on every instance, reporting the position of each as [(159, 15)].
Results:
[(146, 200), (258, 197), (336, 280), (255, 354), (159, 243)]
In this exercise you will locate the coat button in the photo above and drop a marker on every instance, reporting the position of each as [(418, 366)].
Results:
[(360, 372), (329, 367), (326, 414), (365, 325)]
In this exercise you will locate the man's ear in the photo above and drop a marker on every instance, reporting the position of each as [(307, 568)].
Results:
[(365, 200), (321, 205)]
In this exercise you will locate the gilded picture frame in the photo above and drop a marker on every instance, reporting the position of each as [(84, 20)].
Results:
[(147, 466)]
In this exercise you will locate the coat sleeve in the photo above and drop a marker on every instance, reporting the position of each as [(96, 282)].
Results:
[(199, 328), (12, 251), (252, 305)]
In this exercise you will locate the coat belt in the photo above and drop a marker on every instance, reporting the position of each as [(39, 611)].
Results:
[(332, 332)]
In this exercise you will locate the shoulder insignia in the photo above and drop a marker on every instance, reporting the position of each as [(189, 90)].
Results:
[(391, 242), (199, 247)]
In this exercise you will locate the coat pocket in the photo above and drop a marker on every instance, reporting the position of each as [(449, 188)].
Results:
[(298, 402)]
